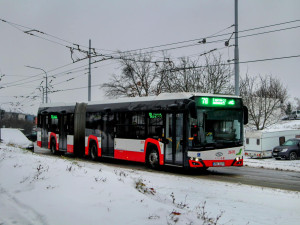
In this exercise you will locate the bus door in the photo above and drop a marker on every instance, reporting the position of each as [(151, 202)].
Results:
[(63, 128), (44, 131), (107, 142), (174, 136)]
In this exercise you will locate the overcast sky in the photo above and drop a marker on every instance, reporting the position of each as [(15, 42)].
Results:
[(134, 24)]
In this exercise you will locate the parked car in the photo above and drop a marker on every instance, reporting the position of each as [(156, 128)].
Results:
[(289, 150), (295, 115)]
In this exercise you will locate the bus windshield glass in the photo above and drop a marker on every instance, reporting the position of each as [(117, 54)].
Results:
[(216, 128)]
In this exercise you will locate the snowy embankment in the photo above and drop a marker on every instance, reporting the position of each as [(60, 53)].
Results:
[(271, 163), (15, 137), (38, 189)]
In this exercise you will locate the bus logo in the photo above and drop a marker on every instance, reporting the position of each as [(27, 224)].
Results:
[(219, 154)]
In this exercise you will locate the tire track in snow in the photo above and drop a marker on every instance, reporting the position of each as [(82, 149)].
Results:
[(12, 211)]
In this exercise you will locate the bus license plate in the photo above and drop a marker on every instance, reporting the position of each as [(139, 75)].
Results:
[(219, 164), (275, 154)]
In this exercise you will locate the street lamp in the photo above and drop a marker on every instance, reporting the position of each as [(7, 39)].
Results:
[(46, 81)]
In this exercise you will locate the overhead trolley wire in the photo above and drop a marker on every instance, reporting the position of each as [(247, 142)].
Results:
[(30, 30), (241, 62), (212, 36)]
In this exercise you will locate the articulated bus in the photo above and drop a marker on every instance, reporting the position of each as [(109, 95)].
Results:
[(193, 130)]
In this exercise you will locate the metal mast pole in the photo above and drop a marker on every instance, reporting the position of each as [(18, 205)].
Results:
[(46, 86), (46, 82), (43, 95), (89, 81), (236, 52)]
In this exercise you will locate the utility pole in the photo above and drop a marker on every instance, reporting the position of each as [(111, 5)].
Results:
[(89, 79), (43, 95), (236, 52), (46, 82)]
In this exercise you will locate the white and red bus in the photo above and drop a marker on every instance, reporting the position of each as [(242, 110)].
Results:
[(180, 129)]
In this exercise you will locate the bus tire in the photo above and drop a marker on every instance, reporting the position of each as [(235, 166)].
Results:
[(153, 159), (93, 151), (53, 147)]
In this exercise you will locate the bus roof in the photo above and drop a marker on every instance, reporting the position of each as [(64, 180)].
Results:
[(160, 97), (149, 102)]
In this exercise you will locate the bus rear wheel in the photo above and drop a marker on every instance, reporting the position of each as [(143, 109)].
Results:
[(153, 159), (53, 147), (93, 151)]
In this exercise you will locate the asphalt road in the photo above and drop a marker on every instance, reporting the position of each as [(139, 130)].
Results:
[(285, 180)]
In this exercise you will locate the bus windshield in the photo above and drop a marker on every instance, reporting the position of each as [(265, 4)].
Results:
[(216, 128)]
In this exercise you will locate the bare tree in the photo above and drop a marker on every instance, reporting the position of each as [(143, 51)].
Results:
[(216, 76), (213, 76), (138, 77), (142, 76), (264, 96), (180, 78)]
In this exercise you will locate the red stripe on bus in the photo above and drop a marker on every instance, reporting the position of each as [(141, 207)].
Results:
[(70, 148), (130, 155), (156, 142), (92, 137)]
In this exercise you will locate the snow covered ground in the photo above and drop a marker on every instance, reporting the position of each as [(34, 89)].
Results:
[(39, 189), (16, 137), (271, 163)]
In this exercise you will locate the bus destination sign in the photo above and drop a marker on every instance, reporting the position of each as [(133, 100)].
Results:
[(217, 102)]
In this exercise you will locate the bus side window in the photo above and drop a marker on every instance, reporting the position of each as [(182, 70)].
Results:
[(39, 122), (130, 125), (138, 125), (155, 125), (47, 122), (54, 123), (71, 124), (120, 125)]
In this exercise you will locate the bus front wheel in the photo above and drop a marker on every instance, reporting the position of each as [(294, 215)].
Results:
[(153, 159)]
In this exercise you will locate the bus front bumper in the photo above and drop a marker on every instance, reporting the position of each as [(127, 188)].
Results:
[(198, 163)]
